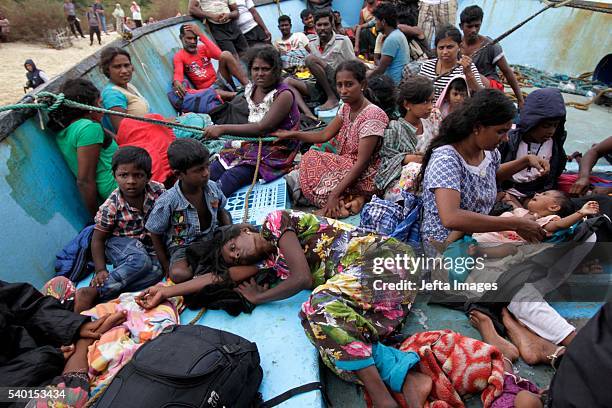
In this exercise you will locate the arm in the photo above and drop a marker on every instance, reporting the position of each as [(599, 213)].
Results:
[(160, 251), (87, 164), (98, 241), (233, 14), (260, 22), (224, 217), (590, 208), (299, 279), (43, 76), (411, 31), (509, 74), (320, 136), (155, 295), (357, 36), (116, 120), (586, 165), (385, 61), (508, 169), (413, 158), (365, 152), (194, 10)]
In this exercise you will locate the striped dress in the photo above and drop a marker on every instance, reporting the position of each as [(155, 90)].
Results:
[(428, 69)]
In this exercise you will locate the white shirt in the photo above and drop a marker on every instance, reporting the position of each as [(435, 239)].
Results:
[(245, 21), (296, 41)]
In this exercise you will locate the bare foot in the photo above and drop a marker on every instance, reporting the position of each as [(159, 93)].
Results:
[(85, 298), (330, 104), (532, 348), (484, 325), (416, 389), (355, 205)]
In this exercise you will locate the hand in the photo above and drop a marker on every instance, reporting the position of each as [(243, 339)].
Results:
[(520, 104), (268, 36), (356, 50), (580, 187), (179, 89), (542, 165), (332, 207), (465, 62), (93, 330), (530, 230), (151, 297), (283, 135), (99, 278), (213, 132), (194, 28), (251, 291), (590, 208)]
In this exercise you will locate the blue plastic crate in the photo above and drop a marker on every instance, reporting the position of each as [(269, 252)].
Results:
[(264, 199)]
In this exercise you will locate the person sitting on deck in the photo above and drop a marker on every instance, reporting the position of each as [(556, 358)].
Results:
[(395, 52), (340, 29), (365, 37), (192, 209), (272, 105), (340, 183), (344, 318), (453, 95), (222, 17), (120, 236), (251, 24), (87, 149), (293, 47), (119, 94), (308, 20), (328, 50), (540, 132), (492, 57), (194, 61)]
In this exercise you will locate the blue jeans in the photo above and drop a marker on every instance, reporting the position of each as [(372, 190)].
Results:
[(133, 267), (233, 179), (103, 22)]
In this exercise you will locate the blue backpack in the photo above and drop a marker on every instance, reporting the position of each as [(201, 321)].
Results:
[(203, 101), (74, 261)]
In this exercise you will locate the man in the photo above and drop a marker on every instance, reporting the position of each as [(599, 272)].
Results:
[(119, 16), (308, 21), (70, 13), (222, 16), (99, 10), (251, 24), (194, 61), (395, 52), (434, 14), (489, 59), (327, 51), (293, 48)]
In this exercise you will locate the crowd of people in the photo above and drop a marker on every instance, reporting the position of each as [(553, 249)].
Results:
[(434, 124)]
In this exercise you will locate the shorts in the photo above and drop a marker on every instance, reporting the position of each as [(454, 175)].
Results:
[(228, 37), (256, 36), (315, 91), (178, 254)]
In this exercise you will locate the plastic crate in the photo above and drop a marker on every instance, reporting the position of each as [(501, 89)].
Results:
[(264, 199)]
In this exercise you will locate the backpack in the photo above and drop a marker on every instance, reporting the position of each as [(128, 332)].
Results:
[(74, 260), (188, 366), (198, 102)]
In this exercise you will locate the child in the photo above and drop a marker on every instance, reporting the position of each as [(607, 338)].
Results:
[(119, 235), (453, 95), (407, 139), (190, 210)]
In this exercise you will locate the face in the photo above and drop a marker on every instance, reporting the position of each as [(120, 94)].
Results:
[(29, 67), (242, 250), (324, 29), (285, 28), (447, 50), (543, 131), (120, 70), (471, 30), (308, 21), (131, 180), (190, 42), (421, 110), (379, 26), (546, 202), (349, 88), (489, 137), (195, 176), (338, 18), (262, 74), (456, 98)]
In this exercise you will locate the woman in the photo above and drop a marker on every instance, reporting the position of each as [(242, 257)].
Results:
[(119, 95), (459, 179), (347, 314), (272, 106), (342, 182), (407, 138), (136, 16), (88, 151), (450, 62)]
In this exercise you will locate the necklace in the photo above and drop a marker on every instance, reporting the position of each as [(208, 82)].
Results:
[(530, 150)]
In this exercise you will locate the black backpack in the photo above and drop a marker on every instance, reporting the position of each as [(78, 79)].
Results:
[(188, 366)]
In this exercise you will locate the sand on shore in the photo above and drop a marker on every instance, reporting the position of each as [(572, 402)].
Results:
[(52, 62)]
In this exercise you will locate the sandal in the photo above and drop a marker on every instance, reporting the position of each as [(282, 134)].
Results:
[(554, 356)]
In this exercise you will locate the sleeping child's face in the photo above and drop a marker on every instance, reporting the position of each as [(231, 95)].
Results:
[(546, 203)]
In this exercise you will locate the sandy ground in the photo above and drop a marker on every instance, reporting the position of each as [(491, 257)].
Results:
[(53, 62)]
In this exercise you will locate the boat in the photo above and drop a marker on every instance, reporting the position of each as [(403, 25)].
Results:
[(41, 209)]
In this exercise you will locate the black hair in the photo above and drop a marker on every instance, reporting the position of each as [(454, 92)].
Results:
[(414, 90), (487, 107), (566, 206), (284, 17), (409, 13), (107, 57), (305, 13), (448, 31), (135, 155), (471, 14), (183, 30), (381, 92), (386, 12), (184, 154), (459, 85), (79, 90), (354, 66), (324, 13), (270, 55)]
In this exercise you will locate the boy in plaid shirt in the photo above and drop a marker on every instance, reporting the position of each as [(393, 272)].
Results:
[(120, 235)]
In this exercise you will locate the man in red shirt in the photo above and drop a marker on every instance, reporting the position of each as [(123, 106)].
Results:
[(195, 62)]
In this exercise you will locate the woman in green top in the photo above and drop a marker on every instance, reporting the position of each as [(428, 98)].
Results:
[(88, 151)]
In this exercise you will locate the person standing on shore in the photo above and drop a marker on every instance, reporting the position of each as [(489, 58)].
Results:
[(73, 22), (99, 10), (93, 19), (119, 16), (136, 16)]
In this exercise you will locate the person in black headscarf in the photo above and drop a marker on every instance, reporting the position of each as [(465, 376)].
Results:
[(35, 76)]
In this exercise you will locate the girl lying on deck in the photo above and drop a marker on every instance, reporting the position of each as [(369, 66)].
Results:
[(346, 317)]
